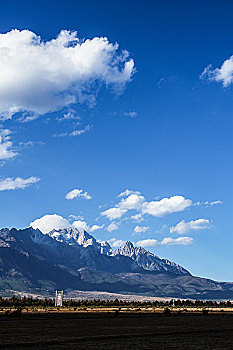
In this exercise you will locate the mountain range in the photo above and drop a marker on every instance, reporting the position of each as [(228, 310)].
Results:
[(69, 259)]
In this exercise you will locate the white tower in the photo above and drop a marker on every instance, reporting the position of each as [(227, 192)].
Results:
[(59, 298)]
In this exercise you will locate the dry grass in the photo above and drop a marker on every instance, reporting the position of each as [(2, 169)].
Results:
[(62, 310)]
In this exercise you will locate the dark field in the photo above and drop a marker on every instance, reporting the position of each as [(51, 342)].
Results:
[(109, 331)]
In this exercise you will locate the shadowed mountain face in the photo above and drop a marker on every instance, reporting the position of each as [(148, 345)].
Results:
[(67, 259)]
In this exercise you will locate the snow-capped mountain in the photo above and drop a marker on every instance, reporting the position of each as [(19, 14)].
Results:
[(73, 236), (31, 261), (149, 261), (141, 256)]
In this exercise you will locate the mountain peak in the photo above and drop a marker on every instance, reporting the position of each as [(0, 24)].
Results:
[(105, 244), (128, 245), (127, 249), (105, 248), (72, 236), (149, 261)]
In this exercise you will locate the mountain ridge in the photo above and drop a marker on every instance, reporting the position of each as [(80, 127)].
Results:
[(31, 261), (140, 255)]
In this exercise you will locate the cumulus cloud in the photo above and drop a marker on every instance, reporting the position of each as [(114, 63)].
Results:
[(112, 227), (135, 201), (49, 222), (175, 241), (113, 213), (6, 146), (140, 229), (127, 193), (40, 77), (166, 241), (81, 225), (116, 243), (166, 206), (148, 243), (136, 217), (95, 228), (224, 74), (184, 227), (76, 193), (17, 183)]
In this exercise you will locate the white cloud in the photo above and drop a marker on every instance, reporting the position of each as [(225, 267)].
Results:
[(116, 243), (133, 201), (139, 229), (175, 241), (207, 203), (77, 194), (159, 82), (166, 206), (95, 228), (148, 243), (76, 217), (224, 74), (30, 143), (6, 150), (80, 131), (27, 117), (41, 77), (113, 213), (73, 133), (136, 217), (69, 116), (112, 227), (130, 114), (166, 241), (17, 183), (49, 222), (184, 227), (126, 193), (81, 225), (210, 204)]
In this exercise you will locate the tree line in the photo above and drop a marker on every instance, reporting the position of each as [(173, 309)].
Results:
[(15, 301)]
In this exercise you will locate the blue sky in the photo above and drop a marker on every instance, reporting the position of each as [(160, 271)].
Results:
[(158, 128)]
